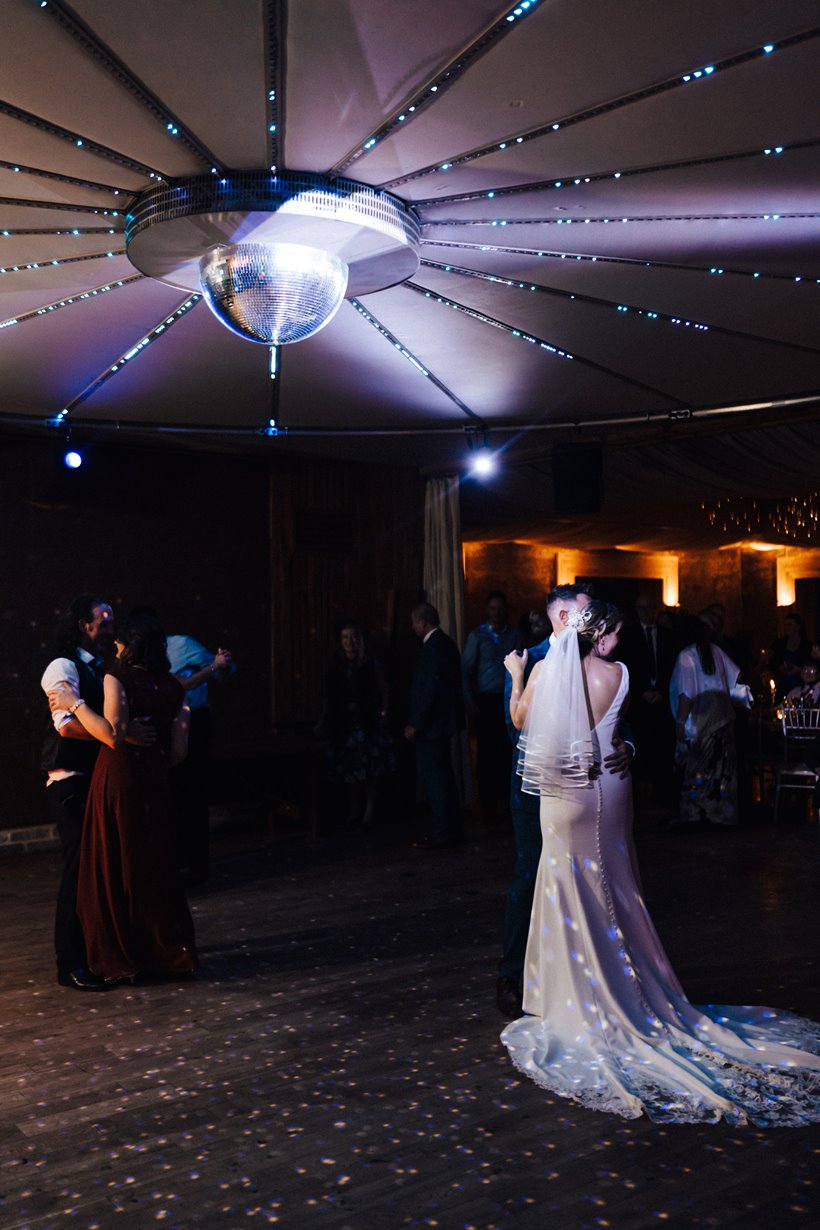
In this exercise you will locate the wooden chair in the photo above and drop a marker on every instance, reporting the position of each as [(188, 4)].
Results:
[(801, 729)]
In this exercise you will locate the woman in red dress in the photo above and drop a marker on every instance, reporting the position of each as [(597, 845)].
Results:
[(131, 901)]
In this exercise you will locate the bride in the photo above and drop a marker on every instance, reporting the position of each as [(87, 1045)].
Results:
[(606, 1021)]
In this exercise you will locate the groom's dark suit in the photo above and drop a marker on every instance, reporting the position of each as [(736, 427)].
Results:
[(72, 760), (436, 714), (526, 820)]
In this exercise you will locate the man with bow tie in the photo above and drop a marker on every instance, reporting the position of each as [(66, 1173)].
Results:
[(84, 643)]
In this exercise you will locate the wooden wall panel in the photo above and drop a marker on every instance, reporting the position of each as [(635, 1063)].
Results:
[(235, 551), (346, 541)]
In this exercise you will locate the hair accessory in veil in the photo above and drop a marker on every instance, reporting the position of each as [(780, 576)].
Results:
[(557, 751)]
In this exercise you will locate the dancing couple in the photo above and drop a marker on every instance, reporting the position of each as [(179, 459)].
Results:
[(606, 1022)]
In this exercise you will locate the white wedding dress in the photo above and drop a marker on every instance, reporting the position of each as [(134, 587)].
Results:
[(607, 1022)]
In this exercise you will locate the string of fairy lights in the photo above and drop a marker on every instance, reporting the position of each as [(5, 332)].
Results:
[(548, 127), (793, 517), (559, 255), (596, 177)]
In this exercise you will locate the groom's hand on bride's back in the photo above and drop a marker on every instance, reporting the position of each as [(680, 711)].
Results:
[(620, 758)]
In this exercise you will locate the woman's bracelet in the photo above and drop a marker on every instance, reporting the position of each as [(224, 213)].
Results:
[(76, 705)]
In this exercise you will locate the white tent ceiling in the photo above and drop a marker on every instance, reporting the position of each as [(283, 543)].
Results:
[(655, 119)]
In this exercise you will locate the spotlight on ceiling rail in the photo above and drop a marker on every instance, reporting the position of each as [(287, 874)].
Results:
[(482, 461)]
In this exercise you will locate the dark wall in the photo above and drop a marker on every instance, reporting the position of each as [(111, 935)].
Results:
[(346, 541), (228, 549)]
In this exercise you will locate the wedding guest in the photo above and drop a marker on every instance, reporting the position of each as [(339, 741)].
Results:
[(436, 714), (197, 668), (789, 652), (807, 692), (699, 693), (354, 722), (648, 650), (483, 666)]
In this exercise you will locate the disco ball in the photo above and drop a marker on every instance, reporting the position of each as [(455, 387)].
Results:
[(273, 293)]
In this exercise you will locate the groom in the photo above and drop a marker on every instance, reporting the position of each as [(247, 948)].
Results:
[(84, 643), (525, 810)]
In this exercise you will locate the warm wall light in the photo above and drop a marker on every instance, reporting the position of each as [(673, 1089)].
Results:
[(662, 566), (794, 564), (785, 586)]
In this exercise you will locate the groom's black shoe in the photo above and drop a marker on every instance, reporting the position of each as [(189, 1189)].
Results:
[(508, 998), (82, 979)]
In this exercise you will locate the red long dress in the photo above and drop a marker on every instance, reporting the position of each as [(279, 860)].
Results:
[(130, 901)]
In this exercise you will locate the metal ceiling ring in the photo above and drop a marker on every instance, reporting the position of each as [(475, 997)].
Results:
[(170, 227)]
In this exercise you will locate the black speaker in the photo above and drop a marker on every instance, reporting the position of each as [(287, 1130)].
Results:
[(576, 478)]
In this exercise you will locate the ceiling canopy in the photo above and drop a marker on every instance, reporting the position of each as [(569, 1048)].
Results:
[(618, 230)]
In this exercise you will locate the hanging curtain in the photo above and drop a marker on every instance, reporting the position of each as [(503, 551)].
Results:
[(443, 565), (444, 589)]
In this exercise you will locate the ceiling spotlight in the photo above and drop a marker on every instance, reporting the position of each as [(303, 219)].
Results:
[(73, 459), (484, 462)]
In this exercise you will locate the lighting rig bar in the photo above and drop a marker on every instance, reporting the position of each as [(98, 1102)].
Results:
[(77, 139), (539, 342), (595, 177), (26, 203), (26, 266), (645, 417), (77, 182), (79, 230), (457, 223), (622, 308), (69, 300), (408, 354), (549, 127), (138, 348), (276, 19), (547, 254), (437, 85), (111, 62)]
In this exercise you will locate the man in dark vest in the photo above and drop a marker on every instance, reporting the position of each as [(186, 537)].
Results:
[(436, 714), (84, 642)]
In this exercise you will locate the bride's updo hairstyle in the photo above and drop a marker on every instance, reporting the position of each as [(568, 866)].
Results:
[(592, 622)]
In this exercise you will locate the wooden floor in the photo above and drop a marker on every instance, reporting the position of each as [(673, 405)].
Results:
[(338, 1063)]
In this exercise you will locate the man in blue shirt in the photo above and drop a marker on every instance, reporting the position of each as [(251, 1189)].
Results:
[(196, 667), (484, 680)]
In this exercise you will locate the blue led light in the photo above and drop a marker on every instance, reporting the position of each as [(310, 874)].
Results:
[(768, 49), (73, 459)]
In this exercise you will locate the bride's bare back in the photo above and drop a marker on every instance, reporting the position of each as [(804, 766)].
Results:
[(602, 682)]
